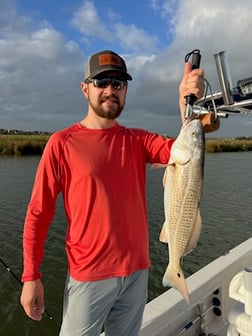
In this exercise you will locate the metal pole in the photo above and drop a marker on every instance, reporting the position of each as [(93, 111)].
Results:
[(224, 77)]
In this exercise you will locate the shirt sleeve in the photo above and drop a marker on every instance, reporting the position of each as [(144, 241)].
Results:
[(40, 210), (158, 148)]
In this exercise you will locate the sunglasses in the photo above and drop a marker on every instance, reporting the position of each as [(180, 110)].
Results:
[(105, 82)]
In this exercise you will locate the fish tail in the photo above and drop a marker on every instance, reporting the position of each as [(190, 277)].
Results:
[(176, 280)]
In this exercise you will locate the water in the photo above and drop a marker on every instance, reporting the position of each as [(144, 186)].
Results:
[(226, 214)]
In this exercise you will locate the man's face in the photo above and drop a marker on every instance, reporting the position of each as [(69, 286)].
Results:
[(106, 94)]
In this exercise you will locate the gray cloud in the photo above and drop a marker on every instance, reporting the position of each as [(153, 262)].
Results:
[(40, 70)]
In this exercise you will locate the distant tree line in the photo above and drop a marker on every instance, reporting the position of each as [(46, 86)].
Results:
[(19, 132)]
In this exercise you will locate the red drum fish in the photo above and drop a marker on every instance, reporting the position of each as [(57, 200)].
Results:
[(183, 180)]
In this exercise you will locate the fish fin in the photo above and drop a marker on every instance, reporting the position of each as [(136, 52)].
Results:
[(176, 280), (158, 165), (195, 234), (181, 156), (168, 172), (163, 234), (162, 165), (171, 161), (164, 178)]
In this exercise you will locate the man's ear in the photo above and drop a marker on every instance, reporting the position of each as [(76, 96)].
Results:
[(84, 88)]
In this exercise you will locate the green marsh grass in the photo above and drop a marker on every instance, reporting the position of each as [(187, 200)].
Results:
[(33, 144), (228, 145)]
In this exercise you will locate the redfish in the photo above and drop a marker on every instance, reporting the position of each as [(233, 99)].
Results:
[(183, 181)]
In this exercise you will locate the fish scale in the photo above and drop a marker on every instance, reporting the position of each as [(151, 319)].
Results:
[(183, 181)]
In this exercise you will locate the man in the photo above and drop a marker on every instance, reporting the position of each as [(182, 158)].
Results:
[(100, 168)]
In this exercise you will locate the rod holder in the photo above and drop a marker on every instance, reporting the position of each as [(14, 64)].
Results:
[(224, 77), (248, 289), (240, 289), (240, 316)]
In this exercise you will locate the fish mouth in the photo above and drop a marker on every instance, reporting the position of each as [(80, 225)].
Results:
[(189, 122)]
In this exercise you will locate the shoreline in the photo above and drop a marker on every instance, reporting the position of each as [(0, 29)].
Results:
[(33, 144)]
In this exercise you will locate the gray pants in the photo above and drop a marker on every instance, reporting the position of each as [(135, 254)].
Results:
[(115, 303)]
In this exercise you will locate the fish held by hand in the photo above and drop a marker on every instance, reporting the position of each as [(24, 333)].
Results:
[(183, 180)]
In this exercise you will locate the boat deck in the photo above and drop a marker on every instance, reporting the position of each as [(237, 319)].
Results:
[(207, 315)]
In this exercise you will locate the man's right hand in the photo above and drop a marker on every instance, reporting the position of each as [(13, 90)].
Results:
[(32, 299)]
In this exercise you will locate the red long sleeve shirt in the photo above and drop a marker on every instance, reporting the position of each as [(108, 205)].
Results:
[(102, 176)]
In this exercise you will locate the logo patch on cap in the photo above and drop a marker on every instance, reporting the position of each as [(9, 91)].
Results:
[(106, 59)]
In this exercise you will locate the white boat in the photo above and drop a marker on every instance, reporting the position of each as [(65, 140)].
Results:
[(220, 302)]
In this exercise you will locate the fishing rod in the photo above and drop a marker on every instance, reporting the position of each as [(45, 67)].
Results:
[(190, 99), (230, 100), (8, 269), (213, 307)]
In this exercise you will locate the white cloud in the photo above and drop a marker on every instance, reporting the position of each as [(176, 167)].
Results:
[(87, 20), (38, 75), (214, 26), (40, 70), (90, 23), (132, 38), (154, 5)]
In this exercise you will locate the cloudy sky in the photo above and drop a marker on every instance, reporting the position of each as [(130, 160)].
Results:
[(44, 46)]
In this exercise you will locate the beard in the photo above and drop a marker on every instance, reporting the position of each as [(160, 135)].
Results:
[(111, 112)]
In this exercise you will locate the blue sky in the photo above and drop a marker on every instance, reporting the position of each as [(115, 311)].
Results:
[(96, 24), (44, 46)]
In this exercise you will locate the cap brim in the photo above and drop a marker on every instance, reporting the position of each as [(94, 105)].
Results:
[(123, 75)]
